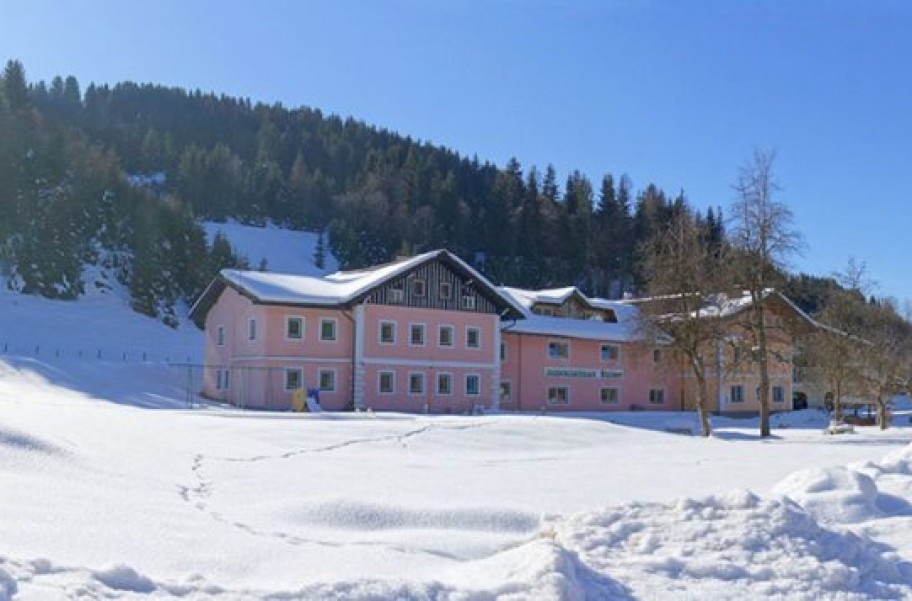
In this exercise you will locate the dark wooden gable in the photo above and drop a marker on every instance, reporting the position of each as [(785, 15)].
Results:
[(435, 284)]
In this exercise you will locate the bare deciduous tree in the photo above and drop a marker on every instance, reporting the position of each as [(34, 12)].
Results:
[(763, 236), (886, 361), (683, 269)]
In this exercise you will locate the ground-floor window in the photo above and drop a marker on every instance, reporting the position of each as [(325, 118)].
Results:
[(222, 377), (472, 385), (387, 382), (506, 391), (656, 396), (294, 379), (558, 395), (416, 383), (610, 396), (778, 394), (327, 380), (444, 384), (737, 393)]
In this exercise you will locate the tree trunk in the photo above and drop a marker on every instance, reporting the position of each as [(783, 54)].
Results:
[(702, 398), (883, 421), (764, 369)]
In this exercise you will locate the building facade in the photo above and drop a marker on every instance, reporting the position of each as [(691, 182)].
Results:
[(431, 334)]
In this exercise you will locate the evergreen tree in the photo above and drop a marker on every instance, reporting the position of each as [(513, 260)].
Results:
[(319, 257), (15, 87)]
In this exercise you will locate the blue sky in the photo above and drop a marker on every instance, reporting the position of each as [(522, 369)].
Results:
[(675, 93)]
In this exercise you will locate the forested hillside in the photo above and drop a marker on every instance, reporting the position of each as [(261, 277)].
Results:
[(121, 175)]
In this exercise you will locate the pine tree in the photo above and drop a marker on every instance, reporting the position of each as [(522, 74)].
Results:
[(15, 87), (319, 257)]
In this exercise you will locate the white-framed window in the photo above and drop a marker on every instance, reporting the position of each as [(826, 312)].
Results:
[(251, 329), (503, 352), (446, 290), (610, 352), (558, 349), (657, 355), (416, 334), (328, 327), (396, 295), (418, 287), (294, 378), (506, 391), (473, 337), (445, 336), (544, 311), (386, 382), (736, 393), (472, 385), (220, 335), (656, 396), (387, 332), (558, 395), (444, 383), (610, 395), (327, 380), (416, 383), (468, 302), (778, 394), (294, 328)]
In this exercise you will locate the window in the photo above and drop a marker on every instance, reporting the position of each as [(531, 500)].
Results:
[(328, 330), (416, 334), (294, 379), (387, 382), (544, 311), (473, 385), (558, 350), (387, 332), (736, 355), (251, 329), (220, 335), (737, 393), (558, 395), (656, 396), (503, 352), (327, 380), (468, 302), (778, 394), (396, 295), (506, 391), (446, 290), (294, 328), (610, 352), (444, 384), (609, 396), (473, 338), (222, 379), (445, 336), (418, 288), (416, 383), (657, 355)]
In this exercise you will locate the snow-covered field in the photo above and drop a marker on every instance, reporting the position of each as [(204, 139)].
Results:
[(112, 487)]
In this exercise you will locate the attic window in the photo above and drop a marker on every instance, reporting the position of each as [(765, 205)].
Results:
[(396, 295), (468, 302), (418, 287), (446, 290)]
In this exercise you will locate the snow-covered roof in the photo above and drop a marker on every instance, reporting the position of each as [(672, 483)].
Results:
[(551, 296), (335, 289), (589, 329)]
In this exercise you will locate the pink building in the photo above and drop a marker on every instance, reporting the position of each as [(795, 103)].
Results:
[(421, 334), (425, 334), (572, 353)]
